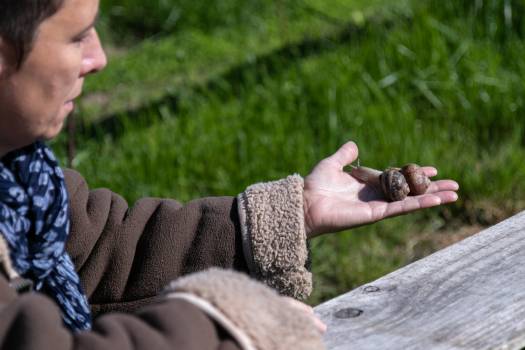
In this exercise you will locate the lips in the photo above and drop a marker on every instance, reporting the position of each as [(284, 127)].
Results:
[(74, 98)]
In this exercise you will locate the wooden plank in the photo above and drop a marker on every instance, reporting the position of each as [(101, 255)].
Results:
[(470, 295)]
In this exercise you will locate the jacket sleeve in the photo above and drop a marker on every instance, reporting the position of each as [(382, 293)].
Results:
[(125, 256), (272, 224), (210, 310), (32, 321)]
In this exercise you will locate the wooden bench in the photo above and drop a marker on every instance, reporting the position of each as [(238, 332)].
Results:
[(470, 295)]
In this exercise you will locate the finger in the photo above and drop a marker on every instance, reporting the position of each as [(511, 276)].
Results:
[(297, 304), (429, 171), (443, 185), (319, 324), (410, 204), (345, 155), (420, 202), (446, 197)]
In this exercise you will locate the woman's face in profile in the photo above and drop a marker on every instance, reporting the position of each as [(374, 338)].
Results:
[(36, 98)]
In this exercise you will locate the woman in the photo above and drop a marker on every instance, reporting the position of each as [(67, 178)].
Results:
[(160, 275)]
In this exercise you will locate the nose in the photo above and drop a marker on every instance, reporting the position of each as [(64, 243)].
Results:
[(94, 58)]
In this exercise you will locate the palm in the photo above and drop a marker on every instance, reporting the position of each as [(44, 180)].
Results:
[(334, 200)]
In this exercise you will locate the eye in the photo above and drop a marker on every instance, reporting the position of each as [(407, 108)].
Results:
[(79, 39)]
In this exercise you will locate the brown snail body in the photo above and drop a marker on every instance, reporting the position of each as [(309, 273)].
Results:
[(395, 183)]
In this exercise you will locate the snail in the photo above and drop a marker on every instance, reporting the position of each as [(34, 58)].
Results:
[(395, 183), (416, 178)]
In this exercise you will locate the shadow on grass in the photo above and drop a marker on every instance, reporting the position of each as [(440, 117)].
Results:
[(236, 77)]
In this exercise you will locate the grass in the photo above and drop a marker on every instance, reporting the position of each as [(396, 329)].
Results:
[(167, 65), (442, 85), (125, 20)]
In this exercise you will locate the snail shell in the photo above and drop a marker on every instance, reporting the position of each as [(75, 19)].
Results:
[(416, 178), (394, 185)]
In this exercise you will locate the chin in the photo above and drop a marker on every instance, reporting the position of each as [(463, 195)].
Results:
[(53, 131)]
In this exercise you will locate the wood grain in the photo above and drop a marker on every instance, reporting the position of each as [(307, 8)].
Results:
[(470, 295)]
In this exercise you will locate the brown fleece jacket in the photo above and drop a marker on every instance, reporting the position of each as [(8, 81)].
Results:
[(126, 256)]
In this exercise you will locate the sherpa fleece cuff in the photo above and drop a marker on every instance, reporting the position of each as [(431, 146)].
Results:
[(274, 237), (253, 314)]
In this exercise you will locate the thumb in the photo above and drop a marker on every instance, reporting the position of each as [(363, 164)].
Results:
[(345, 155)]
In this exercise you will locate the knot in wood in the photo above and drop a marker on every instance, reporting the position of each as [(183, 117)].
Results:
[(371, 289), (348, 312)]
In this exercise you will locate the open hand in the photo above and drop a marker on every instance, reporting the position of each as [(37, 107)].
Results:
[(334, 200)]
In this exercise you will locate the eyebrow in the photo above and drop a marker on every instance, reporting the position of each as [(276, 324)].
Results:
[(91, 25)]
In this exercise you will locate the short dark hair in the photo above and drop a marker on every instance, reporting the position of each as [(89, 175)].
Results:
[(19, 22)]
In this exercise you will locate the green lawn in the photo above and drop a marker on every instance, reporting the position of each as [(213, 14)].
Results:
[(170, 64), (430, 82)]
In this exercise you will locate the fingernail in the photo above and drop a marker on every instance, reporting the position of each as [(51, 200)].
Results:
[(322, 327)]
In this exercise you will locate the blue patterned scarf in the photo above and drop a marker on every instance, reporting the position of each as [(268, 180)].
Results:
[(34, 220)]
